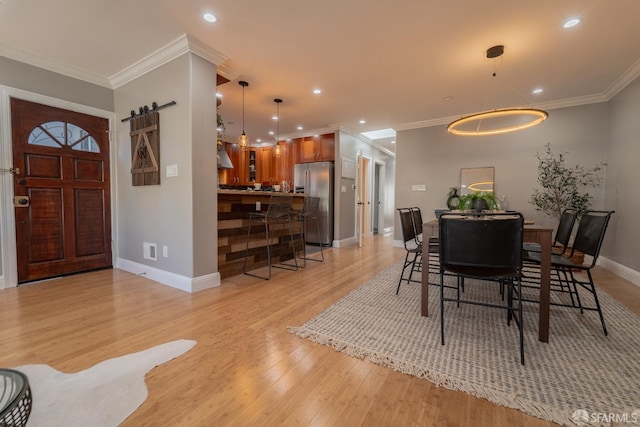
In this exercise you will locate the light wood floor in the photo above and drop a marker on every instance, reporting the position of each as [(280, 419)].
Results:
[(246, 369)]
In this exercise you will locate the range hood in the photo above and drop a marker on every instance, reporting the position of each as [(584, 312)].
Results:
[(224, 162)]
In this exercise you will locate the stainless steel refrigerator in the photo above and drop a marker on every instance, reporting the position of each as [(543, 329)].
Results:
[(316, 180)]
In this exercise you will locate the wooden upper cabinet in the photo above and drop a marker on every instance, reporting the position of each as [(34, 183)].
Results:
[(240, 159), (317, 148), (328, 147), (264, 165), (283, 166)]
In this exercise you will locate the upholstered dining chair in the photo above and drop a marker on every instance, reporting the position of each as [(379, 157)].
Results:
[(588, 240), (488, 247)]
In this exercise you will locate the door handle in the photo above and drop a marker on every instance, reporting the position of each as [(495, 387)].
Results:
[(21, 201)]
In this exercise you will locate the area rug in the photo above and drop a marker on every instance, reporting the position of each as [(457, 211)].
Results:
[(103, 395), (580, 377)]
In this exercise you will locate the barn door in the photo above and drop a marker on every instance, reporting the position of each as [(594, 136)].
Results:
[(62, 191)]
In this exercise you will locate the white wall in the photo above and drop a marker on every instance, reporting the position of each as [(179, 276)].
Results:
[(604, 132), (348, 147), (181, 212), (623, 176)]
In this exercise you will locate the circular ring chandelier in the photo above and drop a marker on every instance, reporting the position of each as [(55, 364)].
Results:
[(499, 121), (534, 115)]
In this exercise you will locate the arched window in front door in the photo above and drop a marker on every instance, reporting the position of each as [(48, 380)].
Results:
[(63, 134)]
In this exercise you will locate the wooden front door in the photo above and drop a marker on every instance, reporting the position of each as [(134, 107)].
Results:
[(62, 191)]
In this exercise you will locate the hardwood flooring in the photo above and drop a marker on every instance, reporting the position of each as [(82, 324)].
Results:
[(246, 369)]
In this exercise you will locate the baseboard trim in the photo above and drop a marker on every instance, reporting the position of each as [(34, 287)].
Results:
[(621, 270), (1, 282), (344, 242), (177, 281)]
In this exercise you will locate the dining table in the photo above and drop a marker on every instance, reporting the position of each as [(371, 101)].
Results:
[(531, 233)]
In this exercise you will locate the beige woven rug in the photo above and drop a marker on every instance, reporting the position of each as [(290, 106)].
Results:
[(580, 377)]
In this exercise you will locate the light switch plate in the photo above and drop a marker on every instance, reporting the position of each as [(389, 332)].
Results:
[(172, 170)]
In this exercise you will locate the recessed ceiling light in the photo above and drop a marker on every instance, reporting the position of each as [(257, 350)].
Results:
[(258, 140), (537, 90), (218, 95), (393, 142), (209, 17), (363, 122), (274, 117), (317, 91), (447, 98), (572, 22), (300, 128), (271, 132)]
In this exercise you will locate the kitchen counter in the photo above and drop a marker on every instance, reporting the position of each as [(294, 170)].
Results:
[(259, 193), (234, 207)]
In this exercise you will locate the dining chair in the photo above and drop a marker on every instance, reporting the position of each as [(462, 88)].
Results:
[(488, 247), (562, 236), (560, 245), (413, 248), (588, 240)]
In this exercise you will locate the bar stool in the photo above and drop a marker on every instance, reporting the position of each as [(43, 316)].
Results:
[(309, 212), (278, 213)]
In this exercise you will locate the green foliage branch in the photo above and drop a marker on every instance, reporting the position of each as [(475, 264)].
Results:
[(563, 186)]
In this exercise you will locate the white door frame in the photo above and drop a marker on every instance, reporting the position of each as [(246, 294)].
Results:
[(9, 278)]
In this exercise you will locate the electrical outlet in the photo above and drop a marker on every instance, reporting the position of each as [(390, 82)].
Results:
[(258, 206), (418, 187), (165, 251)]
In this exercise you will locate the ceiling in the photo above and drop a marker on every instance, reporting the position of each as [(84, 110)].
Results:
[(396, 65)]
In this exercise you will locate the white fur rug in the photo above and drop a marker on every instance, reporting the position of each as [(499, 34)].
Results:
[(103, 395)]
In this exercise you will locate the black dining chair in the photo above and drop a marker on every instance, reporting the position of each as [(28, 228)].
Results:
[(588, 240), (412, 246), (560, 244), (562, 236), (488, 247)]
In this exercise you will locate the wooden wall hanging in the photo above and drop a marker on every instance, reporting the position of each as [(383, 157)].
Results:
[(145, 145)]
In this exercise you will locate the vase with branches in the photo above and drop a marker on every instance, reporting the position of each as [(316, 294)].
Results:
[(563, 186)]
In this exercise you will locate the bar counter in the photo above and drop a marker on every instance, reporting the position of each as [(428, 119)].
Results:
[(234, 207)]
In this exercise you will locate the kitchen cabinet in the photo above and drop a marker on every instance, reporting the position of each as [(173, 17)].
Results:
[(283, 166), (264, 165), (244, 166), (317, 148)]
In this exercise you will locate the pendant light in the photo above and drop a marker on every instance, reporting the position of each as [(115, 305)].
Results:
[(277, 149), (243, 140), (499, 121)]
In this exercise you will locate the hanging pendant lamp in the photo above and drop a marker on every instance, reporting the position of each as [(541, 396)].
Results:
[(243, 139), (277, 148), (498, 121)]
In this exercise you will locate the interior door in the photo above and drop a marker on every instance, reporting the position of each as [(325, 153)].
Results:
[(62, 191), (359, 199)]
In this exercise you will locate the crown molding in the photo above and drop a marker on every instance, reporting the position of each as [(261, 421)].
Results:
[(53, 66), (169, 52), (630, 75)]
